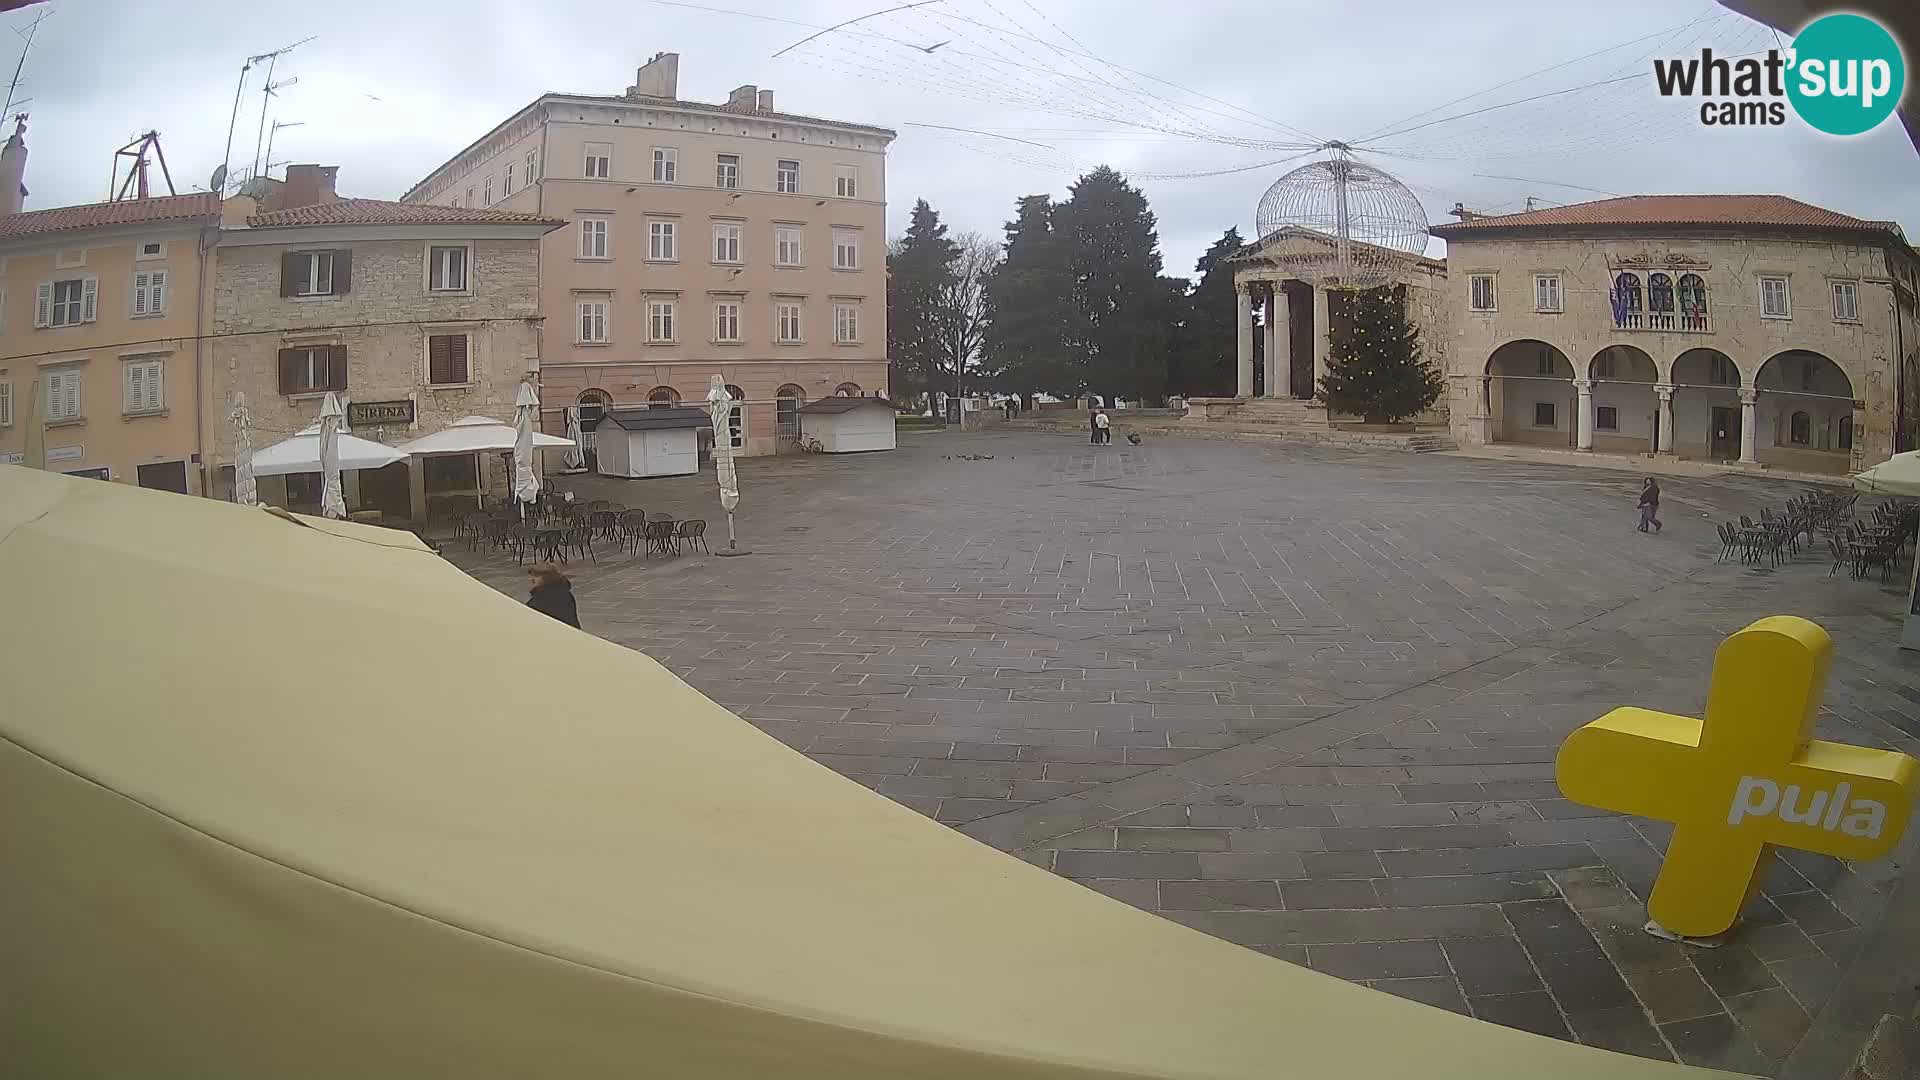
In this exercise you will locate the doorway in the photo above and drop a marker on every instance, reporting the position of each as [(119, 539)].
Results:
[(1300, 339), (164, 476), (387, 490), (1723, 439)]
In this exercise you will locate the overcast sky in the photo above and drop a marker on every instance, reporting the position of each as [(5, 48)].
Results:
[(389, 90)]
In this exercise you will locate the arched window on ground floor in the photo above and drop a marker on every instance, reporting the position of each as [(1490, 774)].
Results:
[(662, 397)]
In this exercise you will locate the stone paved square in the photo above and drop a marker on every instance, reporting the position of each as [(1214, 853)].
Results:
[(1304, 700)]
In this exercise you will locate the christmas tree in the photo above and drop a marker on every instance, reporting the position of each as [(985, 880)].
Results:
[(1374, 367)]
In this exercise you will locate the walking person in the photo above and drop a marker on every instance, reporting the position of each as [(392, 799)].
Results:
[(1650, 505), (1093, 428), (1102, 428), (550, 593)]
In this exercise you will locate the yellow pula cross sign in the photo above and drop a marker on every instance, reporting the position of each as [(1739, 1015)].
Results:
[(1748, 776)]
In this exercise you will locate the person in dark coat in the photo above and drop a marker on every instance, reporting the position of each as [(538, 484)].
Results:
[(1650, 505), (552, 593)]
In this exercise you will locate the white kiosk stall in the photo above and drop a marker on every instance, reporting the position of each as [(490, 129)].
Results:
[(649, 442), (849, 425)]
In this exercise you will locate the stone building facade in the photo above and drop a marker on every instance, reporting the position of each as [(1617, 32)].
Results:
[(703, 239), (414, 316), (1736, 328)]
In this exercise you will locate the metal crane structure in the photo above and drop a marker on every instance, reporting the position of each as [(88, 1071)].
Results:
[(135, 184)]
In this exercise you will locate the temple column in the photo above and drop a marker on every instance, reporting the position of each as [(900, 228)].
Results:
[(1321, 342), (1243, 311), (1583, 429)]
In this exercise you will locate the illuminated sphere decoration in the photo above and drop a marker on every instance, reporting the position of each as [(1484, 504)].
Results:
[(1369, 230)]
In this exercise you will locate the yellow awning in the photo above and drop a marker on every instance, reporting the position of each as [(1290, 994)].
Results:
[(290, 799)]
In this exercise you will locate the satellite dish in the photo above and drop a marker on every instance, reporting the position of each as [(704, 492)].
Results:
[(219, 181)]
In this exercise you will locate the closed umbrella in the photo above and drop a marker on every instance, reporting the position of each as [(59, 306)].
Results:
[(720, 406), (332, 503), (244, 491), (35, 456), (575, 456), (526, 486)]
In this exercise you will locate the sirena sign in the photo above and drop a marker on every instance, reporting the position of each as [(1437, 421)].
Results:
[(1748, 777)]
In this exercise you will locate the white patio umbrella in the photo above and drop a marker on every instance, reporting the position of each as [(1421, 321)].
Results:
[(576, 455), (245, 492), (332, 503), (1898, 475), (720, 406), (477, 434), (526, 486), (301, 453)]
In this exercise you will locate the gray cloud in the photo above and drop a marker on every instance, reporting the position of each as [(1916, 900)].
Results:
[(102, 72)]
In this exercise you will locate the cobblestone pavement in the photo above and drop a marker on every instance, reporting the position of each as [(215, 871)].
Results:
[(1306, 701)]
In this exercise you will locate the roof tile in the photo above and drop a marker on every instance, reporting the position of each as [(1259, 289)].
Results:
[(383, 212), (166, 208), (1749, 211)]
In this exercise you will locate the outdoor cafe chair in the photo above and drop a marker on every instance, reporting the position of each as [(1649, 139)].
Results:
[(693, 531), (633, 529), (660, 537), (579, 538)]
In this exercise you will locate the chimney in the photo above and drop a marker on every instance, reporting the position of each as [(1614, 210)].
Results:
[(13, 169), (744, 98), (766, 101), (308, 185), (1460, 211), (658, 78)]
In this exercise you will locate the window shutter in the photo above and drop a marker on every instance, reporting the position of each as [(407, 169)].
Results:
[(289, 271), (89, 293), (289, 370), (43, 305), (155, 398), (438, 348), (136, 393), (156, 291), (342, 276), (139, 294), (337, 358), (457, 359)]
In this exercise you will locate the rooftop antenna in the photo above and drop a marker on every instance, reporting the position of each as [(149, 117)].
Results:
[(267, 167), (136, 180), (14, 86), (266, 103), (226, 158)]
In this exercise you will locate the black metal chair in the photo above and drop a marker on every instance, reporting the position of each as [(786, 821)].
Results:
[(693, 531)]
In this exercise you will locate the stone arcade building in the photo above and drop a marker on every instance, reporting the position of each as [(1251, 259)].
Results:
[(1735, 328)]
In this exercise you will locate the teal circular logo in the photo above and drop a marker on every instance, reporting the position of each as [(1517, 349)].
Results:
[(1847, 74)]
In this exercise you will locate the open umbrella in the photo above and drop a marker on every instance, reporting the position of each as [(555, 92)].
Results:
[(526, 486), (244, 491), (1898, 475), (720, 406), (332, 503), (300, 453), (575, 456)]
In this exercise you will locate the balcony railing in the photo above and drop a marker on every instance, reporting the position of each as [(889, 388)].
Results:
[(1684, 322)]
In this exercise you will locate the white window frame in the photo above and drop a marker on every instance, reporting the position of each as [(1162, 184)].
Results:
[(666, 164), (591, 313), (1851, 290), (786, 181), (787, 312), (140, 250), (533, 165), (152, 392), (846, 323), (726, 172), (663, 240), (486, 186), (74, 390), (85, 306), (148, 295), (1535, 419), (438, 262), (726, 322), (1473, 288), (596, 238), (310, 287), (6, 404), (789, 245), (315, 358), (728, 242), (663, 321), (846, 249), (846, 181), (1786, 297), (426, 357), (470, 201), (506, 183), (599, 161), (1547, 295)]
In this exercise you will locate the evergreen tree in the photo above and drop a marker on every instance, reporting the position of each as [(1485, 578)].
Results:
[(1207, 345), (1125, 310), (919, 276), (1029, 307), (1374, 366)]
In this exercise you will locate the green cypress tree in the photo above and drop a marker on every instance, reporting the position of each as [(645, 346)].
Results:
[(1126, 310), (1031, 314), (1207, 346), (919, 273), (1374, 365)]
